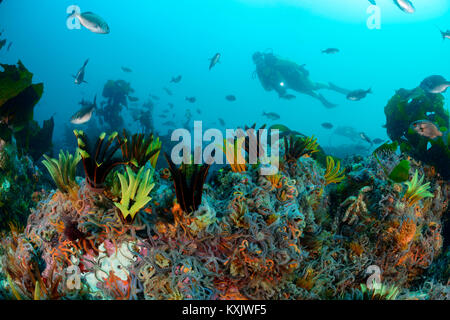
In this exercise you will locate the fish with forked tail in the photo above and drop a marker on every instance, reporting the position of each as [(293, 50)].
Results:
[(85, 113), (358, 94), (91, 21), (435, 84), (79, 77)]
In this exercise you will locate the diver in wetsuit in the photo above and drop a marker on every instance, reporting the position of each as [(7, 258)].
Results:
[(281, 75)]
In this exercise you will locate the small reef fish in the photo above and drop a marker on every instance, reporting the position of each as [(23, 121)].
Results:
[(214, 60), (377, 141), (79, 77), (230, 97), (199, 111), (133, 99), (191, 99), (358, 94), (168, 91), (9, 46), (169, 123), (221, 121), (426, 128), (125, 69), (435, 84), (170, 105), (364, 137), (372, 2), (445, 34), (271, 115), (85, 113), (285, 131), (330, 51), (91, 21), (176, 79), (405, 6), (154, 97), (288, 96), (327, 125)]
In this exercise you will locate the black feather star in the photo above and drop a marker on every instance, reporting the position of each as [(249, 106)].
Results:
[(188, 180), (99, 160)]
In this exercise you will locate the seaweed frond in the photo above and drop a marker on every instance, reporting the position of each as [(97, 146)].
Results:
[(63, 171), (134, 189), (416, 190), (333, 173)]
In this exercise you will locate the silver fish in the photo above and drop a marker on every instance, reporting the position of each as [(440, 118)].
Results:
[(363, 136), (214, 60), (435, 84), (79, 77), (84, 114), (91, 21), (358, 94), (405, 6)]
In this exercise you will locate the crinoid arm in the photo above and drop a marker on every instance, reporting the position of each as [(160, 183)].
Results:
[(138, 149), (416, 191), (333, 173), (188, 180), (63, 171), (98, 161), (134, 192)]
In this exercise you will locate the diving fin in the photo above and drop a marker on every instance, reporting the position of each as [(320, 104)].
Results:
[(334, 87), (326, 103)]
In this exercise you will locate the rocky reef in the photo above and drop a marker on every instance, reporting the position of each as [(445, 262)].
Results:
[(342, 230)]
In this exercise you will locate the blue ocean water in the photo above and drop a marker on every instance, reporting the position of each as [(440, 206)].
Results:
[(160, 39)]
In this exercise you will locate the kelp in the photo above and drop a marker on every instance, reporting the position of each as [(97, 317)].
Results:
[(408, 106), (18, 97)]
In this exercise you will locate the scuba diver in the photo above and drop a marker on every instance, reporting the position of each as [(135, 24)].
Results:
[(281, 75)]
